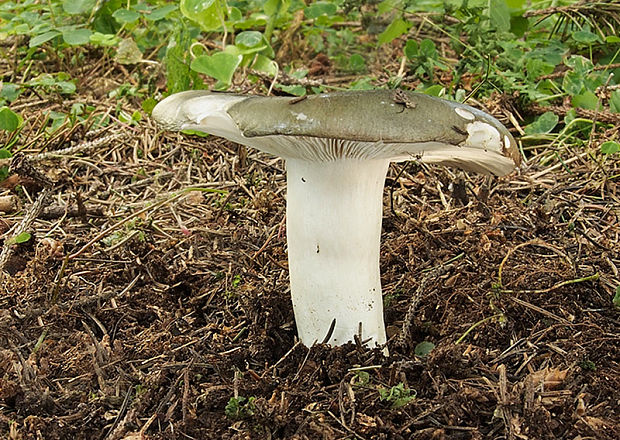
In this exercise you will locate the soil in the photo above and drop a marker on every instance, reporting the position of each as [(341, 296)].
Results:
[(142, 309)]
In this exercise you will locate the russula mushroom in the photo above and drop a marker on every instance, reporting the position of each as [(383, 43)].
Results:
[(337, 148)]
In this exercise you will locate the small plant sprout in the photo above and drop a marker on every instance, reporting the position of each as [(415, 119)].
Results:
[(239, 408), (337, 148), (397, 396)]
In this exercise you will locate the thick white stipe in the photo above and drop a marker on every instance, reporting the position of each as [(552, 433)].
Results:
[(334, 212)]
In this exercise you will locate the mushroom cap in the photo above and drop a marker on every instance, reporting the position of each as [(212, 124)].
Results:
[(370, 124)]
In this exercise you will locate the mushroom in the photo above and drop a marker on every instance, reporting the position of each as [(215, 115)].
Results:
[(337, 148)]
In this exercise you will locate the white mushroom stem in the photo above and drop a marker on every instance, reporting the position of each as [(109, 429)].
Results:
[(334, 212)]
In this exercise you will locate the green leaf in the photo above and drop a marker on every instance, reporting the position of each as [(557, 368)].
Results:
[(612, 39), (614, 101), (43, 38), (74, 7), (536, 67), (579, 64), (220, 66), (412, 49), (386, 6), (128, 52), (179, 74), (105, 40), (160, 13), (397, 28), (362, 84), (266, 65), (5, 154), (610, 147), (519, 26), (125, 16), (398, 395), (423, 348), (9, 120), (274, 7), (499, 15), (148, 105), (357, 63), (616, 300), (572, 83), (585, 37), (295, 90), (428, 49), (543, 124), (76, 37), (9, 91), (209, 14), (587, 100), (22, 238), (250, 41), (319, 8), (434, 90)]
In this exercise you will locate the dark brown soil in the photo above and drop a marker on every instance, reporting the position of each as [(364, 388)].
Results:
[(179, 307)]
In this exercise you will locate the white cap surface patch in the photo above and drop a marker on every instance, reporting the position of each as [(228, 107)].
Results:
[(483, 135)]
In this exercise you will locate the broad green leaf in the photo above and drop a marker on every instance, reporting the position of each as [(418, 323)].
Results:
[(434, 90), (128, 52), (274, 7), (612, 39), (423, 348), (74, 7), (43, 38), (614, 101), (179, 74), (428, 49), (76, 37), (362, 84), (266, 65), (22, 238), (387, 6), (536, 67), (159, 13), (412, 49), (319, 8), (5, 154), (65, 87), (396, 28), (572, 83), (220, 66), (250, 41), (579, 64), (209, 14), (519, 26), (293, 90), (499, 15), (610, 147), (235, 15), (9, 91), (587, 100), (357, 63), (9, 120), (543, 124), (148, 105), (553, 54), (585, 37), (106, 40), (125, 16)]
